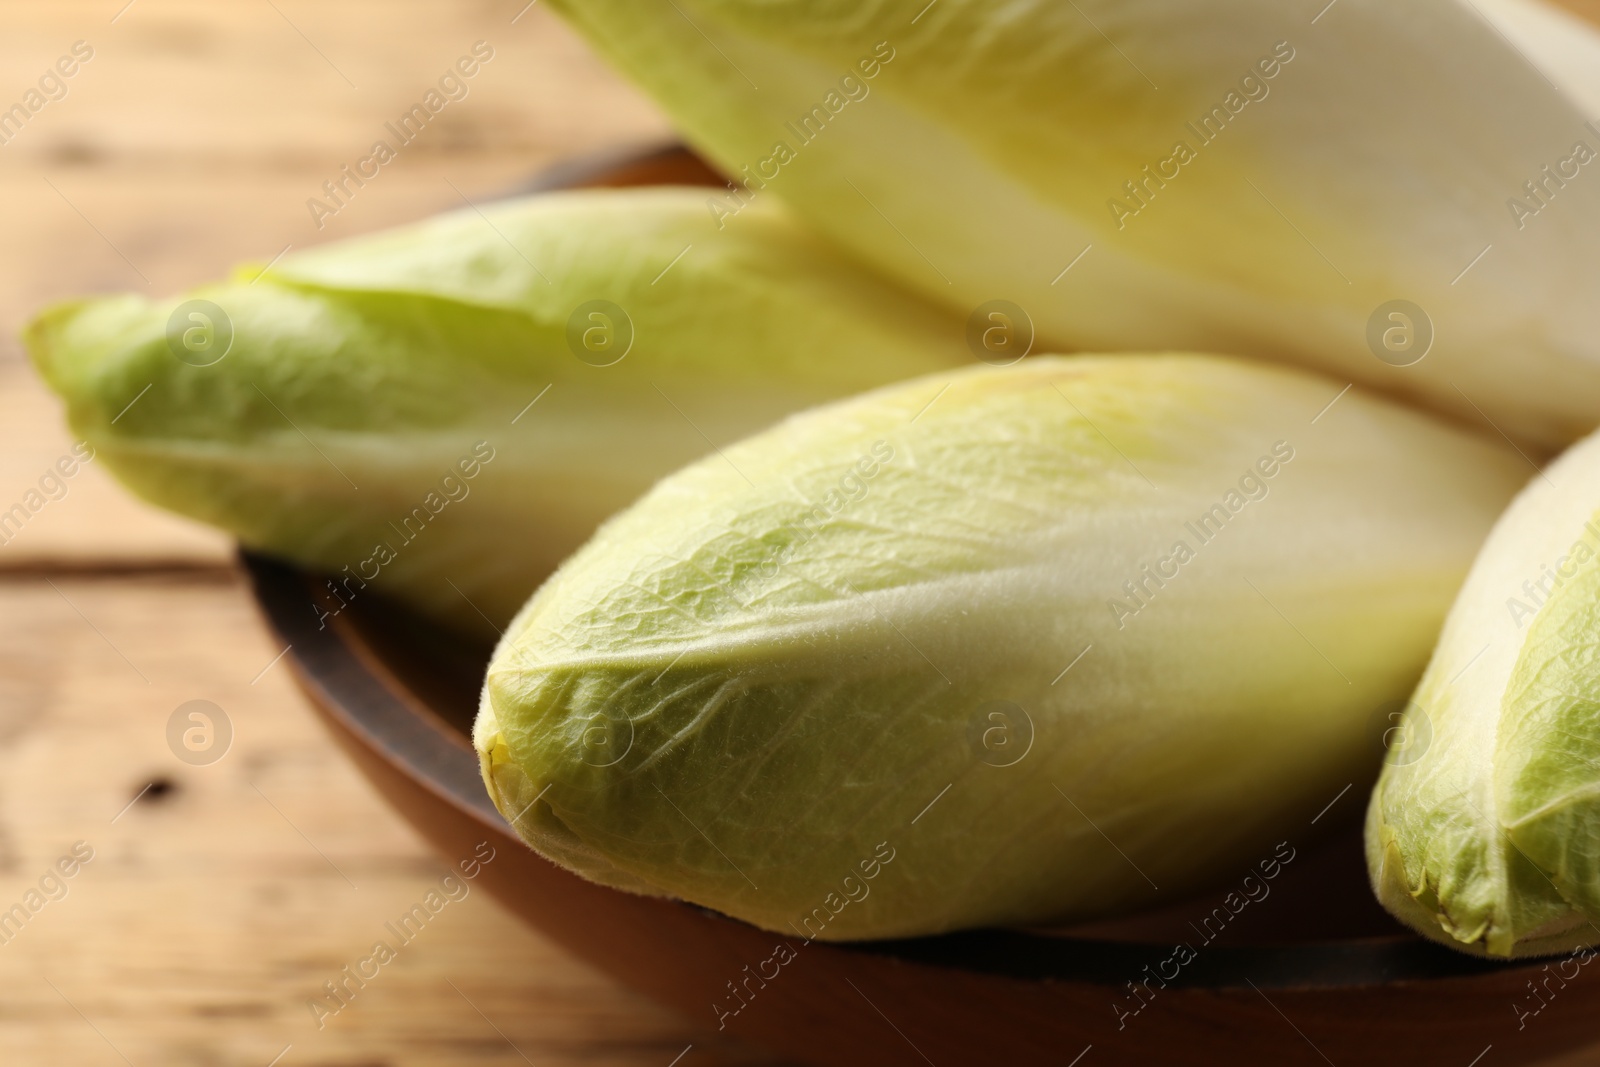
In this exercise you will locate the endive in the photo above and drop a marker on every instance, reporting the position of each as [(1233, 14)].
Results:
[(1002, 646), (1562, 44), (1481, 833), (444, 412), (1353, 186)]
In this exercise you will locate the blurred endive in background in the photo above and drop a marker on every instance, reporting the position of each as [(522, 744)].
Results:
[(360, 408), (1244, 176)]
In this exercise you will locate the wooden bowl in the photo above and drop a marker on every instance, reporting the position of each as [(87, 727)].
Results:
[(1313, 973)]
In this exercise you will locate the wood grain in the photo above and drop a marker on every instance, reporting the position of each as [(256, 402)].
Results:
[(218, 904), (192, 141), (214, 911)]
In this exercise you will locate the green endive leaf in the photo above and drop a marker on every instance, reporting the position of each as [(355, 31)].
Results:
[(1484, 831), (364, 408), (1350, 186), (1050, 636)]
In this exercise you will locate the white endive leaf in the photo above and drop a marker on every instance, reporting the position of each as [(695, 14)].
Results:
[(1483, 831), (1249, 176), (1053, 635), (1565, 47)]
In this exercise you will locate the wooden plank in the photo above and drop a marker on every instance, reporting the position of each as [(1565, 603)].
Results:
[(210, 914), (194, 137), (213, 912), (192, 140)]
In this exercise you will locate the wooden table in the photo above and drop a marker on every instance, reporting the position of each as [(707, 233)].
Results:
[(219, 903), (219, 900)]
